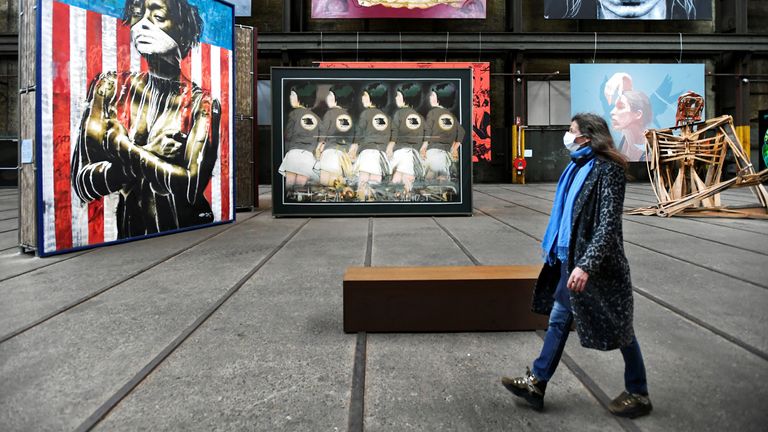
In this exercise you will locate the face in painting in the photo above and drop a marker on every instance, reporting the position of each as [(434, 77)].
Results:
[(152, 28), (622, 115), (631, 8)]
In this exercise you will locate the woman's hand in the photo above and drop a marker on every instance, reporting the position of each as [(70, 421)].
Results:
[(390, 150), (455, 151), (578, 280), (352, 152), (114, 133), (423, 150)]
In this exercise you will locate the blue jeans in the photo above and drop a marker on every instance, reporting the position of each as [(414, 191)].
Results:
[(560, 320)]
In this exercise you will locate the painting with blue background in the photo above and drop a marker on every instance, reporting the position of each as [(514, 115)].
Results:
[(662, 83), (242, 7), (218, 17)]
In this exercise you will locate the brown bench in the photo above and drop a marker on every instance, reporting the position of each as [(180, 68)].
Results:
[(440, 299)]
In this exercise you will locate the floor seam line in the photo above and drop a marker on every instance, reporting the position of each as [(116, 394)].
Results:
[(74, 255), (104, 410), (592, 387), (708, 222), (356, 417), (661, 228), (101, 291), (649, 248), (727, 336), (734, 340), (458, 243)]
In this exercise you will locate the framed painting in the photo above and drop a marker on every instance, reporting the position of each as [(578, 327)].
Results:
[(371, 141)]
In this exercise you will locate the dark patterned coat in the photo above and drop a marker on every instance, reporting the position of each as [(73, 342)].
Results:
[(603, 311)]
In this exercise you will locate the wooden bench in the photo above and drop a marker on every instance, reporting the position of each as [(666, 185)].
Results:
[(440, 299)]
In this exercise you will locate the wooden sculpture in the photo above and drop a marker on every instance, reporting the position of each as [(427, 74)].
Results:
[(685, 165)]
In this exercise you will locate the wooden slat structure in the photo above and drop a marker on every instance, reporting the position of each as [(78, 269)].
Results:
[(685, 164), (440, 299), (27, 126), (245, 119)]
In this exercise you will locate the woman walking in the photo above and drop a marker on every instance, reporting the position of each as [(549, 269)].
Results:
[(585, 277)]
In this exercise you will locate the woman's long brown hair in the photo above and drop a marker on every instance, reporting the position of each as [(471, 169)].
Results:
[(595, 128)]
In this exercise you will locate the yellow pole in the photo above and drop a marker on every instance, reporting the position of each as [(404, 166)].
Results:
[(742, 132), (522, 149), (518, 134), (514, 153)]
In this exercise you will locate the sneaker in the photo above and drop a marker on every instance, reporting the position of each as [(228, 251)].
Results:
[(630, 405), (528, 388)]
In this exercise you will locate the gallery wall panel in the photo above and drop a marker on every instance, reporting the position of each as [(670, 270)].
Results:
[(245, 74), (633, 97), (371, 141)]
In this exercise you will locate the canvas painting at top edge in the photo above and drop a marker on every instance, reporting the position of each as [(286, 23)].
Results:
[(427, 9), (656, 10)]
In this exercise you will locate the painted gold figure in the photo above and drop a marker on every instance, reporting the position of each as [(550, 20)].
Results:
[(151, 136)]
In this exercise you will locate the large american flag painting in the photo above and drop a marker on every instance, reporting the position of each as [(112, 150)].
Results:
[(79, 41)]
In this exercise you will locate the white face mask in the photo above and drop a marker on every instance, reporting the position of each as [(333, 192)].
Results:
[(569, 141), (149, 39)]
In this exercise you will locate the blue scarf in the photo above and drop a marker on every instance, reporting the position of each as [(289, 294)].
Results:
[(556, 239)]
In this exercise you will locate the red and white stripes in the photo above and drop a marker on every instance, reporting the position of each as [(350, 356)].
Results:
[(77, 45), (48, 211), (111, 61)]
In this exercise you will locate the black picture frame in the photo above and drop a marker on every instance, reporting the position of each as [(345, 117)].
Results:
[(447, 192)]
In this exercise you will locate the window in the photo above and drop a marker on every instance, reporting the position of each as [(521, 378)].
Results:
[(549, 103)]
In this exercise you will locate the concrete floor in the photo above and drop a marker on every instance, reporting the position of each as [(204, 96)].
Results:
[(239, 327)]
